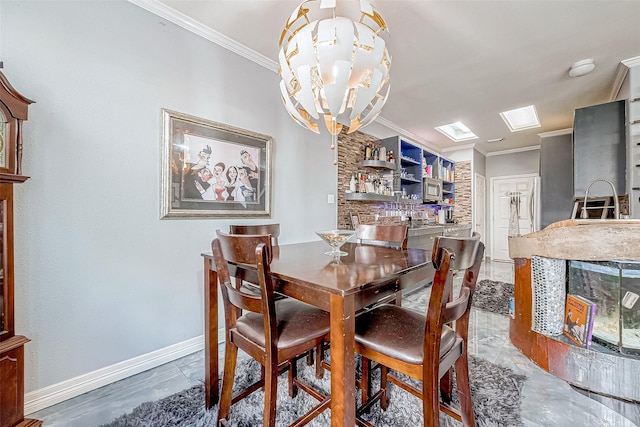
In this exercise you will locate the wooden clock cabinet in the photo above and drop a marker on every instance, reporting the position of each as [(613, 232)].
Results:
[(13, 112)]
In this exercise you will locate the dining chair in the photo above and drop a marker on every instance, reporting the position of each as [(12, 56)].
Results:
[(384, 235), (425, 346), (271, 229), (387, 235), (275, 333), (380, 235)]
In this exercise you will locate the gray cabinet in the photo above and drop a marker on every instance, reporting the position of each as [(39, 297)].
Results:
[(599, 147), (457, 231), (423, 237)]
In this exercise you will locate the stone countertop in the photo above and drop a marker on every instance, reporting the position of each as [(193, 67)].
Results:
[(582, 240)]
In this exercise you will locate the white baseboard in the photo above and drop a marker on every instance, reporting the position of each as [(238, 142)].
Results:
[(56, 393)]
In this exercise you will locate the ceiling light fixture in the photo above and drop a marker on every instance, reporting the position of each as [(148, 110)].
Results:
[(581, 68), (334, 69)]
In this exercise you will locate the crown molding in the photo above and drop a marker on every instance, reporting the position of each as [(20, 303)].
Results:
[(394, 127), (514, 150), (621, 75), (458, 148), (162, 10), (631, 62), (480, 150), (555, 133)]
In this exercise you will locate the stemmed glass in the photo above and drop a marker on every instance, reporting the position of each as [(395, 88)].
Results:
[(335, 239)]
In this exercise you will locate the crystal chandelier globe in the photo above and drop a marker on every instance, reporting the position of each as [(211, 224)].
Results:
[(334, 69)]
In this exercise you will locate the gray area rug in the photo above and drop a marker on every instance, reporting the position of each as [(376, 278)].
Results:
[(493, 296), (490, 295), (496, 395)]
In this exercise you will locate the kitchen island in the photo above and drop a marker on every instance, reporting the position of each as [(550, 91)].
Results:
[(423, 236)]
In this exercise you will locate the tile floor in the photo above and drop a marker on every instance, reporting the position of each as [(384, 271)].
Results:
[(547, 401)]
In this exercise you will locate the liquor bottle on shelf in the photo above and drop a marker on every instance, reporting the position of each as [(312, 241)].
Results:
[(352, 184), (382, 154)]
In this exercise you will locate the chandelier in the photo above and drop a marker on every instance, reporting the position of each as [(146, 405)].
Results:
[(334, 69)]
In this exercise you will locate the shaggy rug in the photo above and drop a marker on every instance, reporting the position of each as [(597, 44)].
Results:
[(496, 395), (493, 296), (490, 295)]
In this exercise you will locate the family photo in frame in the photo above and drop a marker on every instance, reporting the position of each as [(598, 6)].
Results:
[(212, 170)]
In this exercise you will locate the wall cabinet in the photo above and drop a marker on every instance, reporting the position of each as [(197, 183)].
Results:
[(13, 112), (447, 174), (599, 148), (415, 165), (408, 158)]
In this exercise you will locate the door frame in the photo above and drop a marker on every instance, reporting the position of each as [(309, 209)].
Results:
[(491, 201), (476, 208)]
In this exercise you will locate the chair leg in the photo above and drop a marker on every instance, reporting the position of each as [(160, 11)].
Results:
[(431, 401), (464, 391), (230, 357), (293, 373), (270, 394), (446, 387), (365, 380), (384, 400), (319, 357)]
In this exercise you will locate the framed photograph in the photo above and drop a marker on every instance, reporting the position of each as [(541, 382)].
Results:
[(213, 170)]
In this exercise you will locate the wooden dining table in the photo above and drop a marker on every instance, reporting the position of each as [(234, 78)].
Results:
[(341, 286)]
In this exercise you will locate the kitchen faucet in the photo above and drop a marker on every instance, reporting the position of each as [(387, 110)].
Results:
[(616, 204)]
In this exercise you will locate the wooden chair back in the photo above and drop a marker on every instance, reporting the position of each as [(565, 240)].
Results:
[(450, 255), (276, 345), (383, 234), (255, 252), (272, 229), (386, 335)]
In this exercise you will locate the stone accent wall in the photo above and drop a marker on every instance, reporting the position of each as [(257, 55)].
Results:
[(350, 154), (462, 212)]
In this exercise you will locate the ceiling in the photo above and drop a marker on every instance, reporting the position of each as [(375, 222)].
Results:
[(466, 60)]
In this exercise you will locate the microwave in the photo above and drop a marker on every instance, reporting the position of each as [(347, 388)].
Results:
[(432, 190)]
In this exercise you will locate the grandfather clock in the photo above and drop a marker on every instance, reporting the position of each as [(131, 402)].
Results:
[(13, 112)]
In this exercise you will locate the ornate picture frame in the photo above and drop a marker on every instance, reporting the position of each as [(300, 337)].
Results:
[(213, 170)]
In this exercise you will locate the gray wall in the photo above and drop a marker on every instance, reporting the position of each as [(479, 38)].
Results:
[(556, 178), (519, 163), (479, 163), (99, 278)]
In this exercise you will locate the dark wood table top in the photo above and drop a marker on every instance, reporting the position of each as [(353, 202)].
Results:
[(362, 267)]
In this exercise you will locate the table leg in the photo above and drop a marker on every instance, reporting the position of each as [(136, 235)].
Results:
[(343, 375), (210, 335)]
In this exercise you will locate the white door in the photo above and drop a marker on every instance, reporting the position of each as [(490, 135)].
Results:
[(509, 206), (480, 206)]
